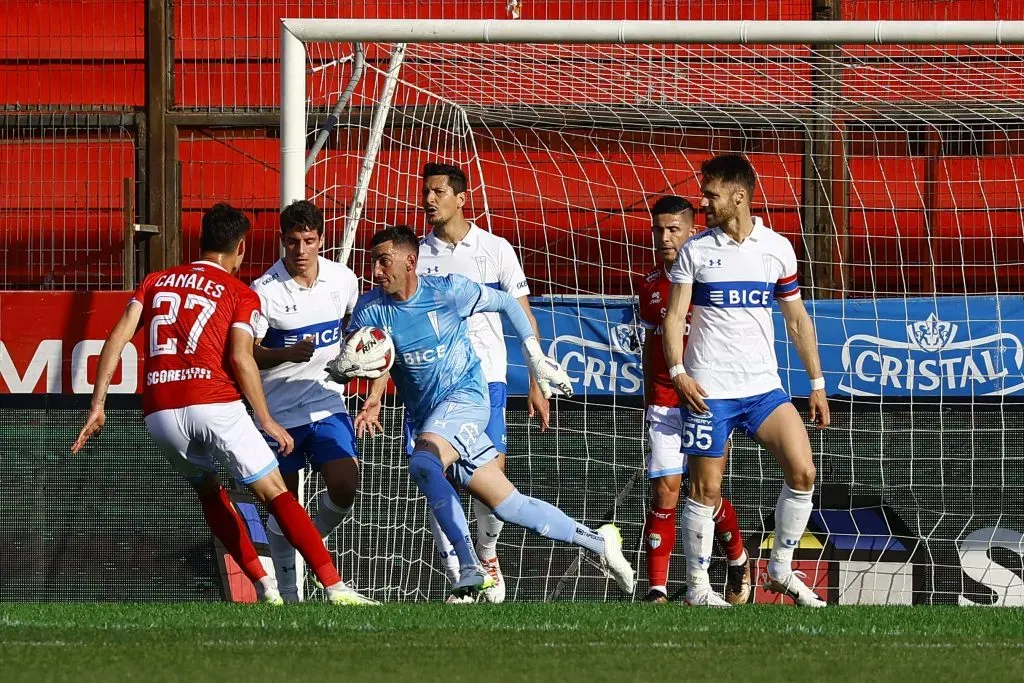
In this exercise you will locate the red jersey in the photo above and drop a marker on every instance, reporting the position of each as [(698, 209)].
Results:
[(188, 312), (653, 291)]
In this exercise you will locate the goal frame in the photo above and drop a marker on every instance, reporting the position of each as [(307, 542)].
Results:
[(295, 33)]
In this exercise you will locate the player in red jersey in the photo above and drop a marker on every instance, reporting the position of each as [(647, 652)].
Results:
[(200, 321), (672, 224)]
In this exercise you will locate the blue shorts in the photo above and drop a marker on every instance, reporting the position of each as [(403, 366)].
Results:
[(331, 438), (705, 434), (464, 426), (497, 430)]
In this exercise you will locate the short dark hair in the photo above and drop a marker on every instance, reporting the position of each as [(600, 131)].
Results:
[(224, 226), (456, 178), (730, 168), (671, 204), (302, 215), (399, 235)]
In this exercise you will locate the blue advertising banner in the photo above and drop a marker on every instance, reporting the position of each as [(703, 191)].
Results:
[(919, 347)]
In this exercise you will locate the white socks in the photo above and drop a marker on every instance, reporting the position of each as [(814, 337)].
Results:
[(286, 561), (792, 513), (449, 560), (488, 528), (329, 516), (698, 540)]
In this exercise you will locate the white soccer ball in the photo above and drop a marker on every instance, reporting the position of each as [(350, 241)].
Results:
[(371, 350)]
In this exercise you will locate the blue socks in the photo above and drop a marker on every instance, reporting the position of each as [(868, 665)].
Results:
[(427, 472), (547, 520)]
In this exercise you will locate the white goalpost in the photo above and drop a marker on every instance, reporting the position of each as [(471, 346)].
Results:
[(890, 153)]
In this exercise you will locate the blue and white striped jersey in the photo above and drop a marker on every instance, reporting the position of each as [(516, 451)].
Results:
[(731, 348)]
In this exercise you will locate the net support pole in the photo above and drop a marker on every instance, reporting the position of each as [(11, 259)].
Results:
[(293, 117), (380, 117)]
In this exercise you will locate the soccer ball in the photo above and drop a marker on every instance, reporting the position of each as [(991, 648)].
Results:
[(371, 349)]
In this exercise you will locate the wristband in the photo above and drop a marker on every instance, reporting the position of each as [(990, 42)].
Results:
[(817, 383), (676, 370)]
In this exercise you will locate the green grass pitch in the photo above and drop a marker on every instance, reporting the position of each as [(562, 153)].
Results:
[(523, 642)]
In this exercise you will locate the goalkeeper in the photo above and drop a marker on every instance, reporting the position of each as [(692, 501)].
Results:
[(439, 379)]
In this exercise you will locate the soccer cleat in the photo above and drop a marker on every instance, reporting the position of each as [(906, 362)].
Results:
[(737, 584), (655, 596), (472, 580), (614, 561), (794, 588), (453, 599), (496, 593), (343, 594), (271, 596), (705, 597)]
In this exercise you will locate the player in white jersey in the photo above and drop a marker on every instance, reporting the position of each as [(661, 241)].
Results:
[(305, 298), (729, 378), (456, 245)]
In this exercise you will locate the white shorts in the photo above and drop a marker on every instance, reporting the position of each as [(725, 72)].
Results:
[(664, 438), (191, 438)]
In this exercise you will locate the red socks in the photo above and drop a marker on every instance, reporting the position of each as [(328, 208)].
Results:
[(298, 528), (230, 530), (727, 531), (660, 537)]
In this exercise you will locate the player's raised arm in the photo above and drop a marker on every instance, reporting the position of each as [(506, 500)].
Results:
[(472, 298), (110, 356), (801, 330)]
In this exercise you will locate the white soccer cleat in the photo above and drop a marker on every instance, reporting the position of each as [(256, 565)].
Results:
[(794, 588), (271, 596), (343, 594), (472, 580), (703, 596), (453, 599), (496, 593), (614, 561)]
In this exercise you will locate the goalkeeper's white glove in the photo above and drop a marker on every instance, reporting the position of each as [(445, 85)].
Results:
[(346, 367), (550, 376)]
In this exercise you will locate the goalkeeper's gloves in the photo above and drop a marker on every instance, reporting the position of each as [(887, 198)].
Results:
[(346, 367), (549, 375)]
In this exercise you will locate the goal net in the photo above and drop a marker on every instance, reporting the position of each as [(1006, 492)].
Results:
[(894, 170)]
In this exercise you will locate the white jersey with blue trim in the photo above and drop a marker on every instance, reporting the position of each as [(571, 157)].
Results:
[(299, 393), (434, 359), (489, 260), (731, 349)]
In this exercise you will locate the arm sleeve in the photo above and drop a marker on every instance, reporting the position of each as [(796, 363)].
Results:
[(787, 288), (140, 292), (471, 298), (354, 282), (246, 315), (263, 323), (358, 318), (643, 308), (682, 270), (510, 272)]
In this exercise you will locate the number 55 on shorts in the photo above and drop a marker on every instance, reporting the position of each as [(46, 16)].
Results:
[(703, 435)]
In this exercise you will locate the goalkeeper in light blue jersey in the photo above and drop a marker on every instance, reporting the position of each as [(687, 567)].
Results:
[(439, 379)]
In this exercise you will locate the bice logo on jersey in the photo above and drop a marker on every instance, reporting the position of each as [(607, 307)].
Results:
[(414, 359), (931, 361), (735, 294)]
